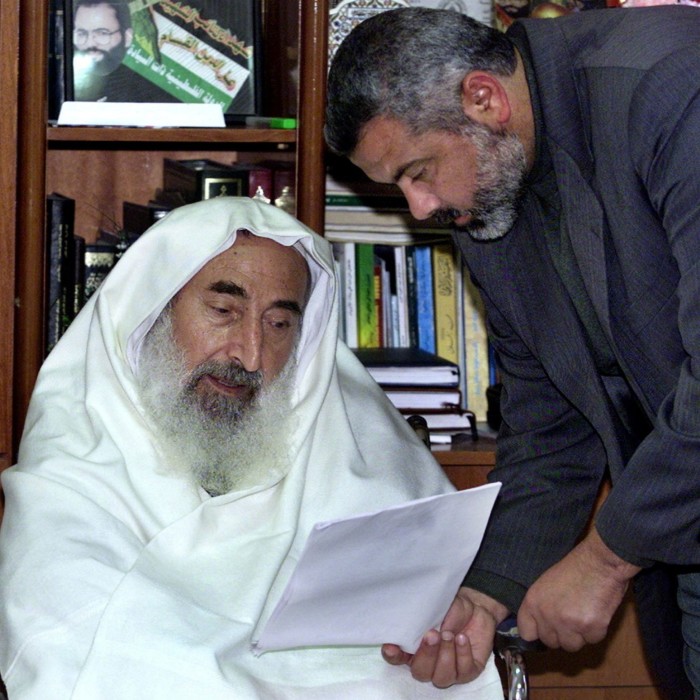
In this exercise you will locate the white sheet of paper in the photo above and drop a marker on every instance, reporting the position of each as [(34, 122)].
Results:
[(387, 576)]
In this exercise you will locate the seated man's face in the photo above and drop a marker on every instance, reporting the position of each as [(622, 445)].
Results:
[(241, 311), (99, 41)]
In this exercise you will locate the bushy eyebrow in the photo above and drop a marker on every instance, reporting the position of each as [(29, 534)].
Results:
[(235, 290), (230, 288)]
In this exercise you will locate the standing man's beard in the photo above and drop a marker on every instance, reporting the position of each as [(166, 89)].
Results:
[(501, 168), (225, 442)]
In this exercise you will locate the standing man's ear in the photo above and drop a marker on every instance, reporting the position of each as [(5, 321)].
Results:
[(485, 100), (128, 37)]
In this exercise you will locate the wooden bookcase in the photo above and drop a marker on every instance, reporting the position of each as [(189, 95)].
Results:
[(109, 165)]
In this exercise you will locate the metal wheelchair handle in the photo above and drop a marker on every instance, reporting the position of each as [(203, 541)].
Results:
[(510, 647)]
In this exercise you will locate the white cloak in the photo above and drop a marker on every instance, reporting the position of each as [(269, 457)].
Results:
[(120, 580)]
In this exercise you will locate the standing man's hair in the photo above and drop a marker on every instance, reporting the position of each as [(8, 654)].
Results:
[(409, 64)]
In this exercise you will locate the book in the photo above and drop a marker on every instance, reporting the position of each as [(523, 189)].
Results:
[(78, 274), (408, 367), (379, 295), (100, 258), (344, 253), (388, 298), (476, 350), (454, 421), (367, 319), (419, 399), (412, 298), (193, 180), (381, 237), (138, 218), (446, 268), (283, 174), (402, 301), (372, 219), (425, 305), (59, 268), (353, 201)]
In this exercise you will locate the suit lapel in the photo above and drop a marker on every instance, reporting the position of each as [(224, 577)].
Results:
[(583, 216)]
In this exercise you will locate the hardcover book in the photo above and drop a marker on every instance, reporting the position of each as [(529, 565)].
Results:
[(425, 302), (446, 267), (60, 262), (408, 367), (344, 254), (422, 399), (138, 218), (100, 258), (367, 317), (193, 51)]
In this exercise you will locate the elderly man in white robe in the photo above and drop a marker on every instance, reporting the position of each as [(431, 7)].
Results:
[(184, 436)]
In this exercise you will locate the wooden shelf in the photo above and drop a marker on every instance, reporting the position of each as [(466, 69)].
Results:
[(232, 135)]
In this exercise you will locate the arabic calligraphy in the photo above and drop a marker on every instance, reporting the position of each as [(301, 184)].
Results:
[(209, 26), (202, 55)]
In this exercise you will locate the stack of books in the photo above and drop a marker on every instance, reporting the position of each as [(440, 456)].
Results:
[(357, 205), (421, 383)]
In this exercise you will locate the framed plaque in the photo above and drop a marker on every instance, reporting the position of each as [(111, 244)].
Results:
[(196, 51)]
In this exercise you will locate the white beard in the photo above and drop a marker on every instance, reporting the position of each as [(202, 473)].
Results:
[(225, 444)]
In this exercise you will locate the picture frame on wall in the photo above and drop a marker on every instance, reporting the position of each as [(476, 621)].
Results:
[(180, 51)]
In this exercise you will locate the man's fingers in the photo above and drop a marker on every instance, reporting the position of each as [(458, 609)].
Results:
[(468, 666), (394, 655), (424, 660)]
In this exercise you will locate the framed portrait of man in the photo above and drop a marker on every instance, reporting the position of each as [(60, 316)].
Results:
[(194, 51)]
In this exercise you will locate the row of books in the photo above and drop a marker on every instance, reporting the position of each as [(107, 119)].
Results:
[(417, 323)]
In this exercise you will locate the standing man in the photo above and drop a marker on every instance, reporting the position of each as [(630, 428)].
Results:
[(567, 155)]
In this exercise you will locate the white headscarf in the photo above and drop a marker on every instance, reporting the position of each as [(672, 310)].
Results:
[(120, 579)]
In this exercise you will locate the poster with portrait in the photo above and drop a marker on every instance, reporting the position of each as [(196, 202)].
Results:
[(194, 51)]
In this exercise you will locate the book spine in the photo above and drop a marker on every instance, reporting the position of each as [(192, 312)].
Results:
[(78, 274), (476, 350), (366, 308), (360, 202), (445, 271), (424, 298), (412, 297), (58, 299), (402, 313), (98, 262), (344, 253)]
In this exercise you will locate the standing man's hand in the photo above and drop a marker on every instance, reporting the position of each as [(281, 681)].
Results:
[(459, 651), (572, 603)]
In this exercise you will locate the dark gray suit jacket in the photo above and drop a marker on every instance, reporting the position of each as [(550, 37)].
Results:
[(620, 97)]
